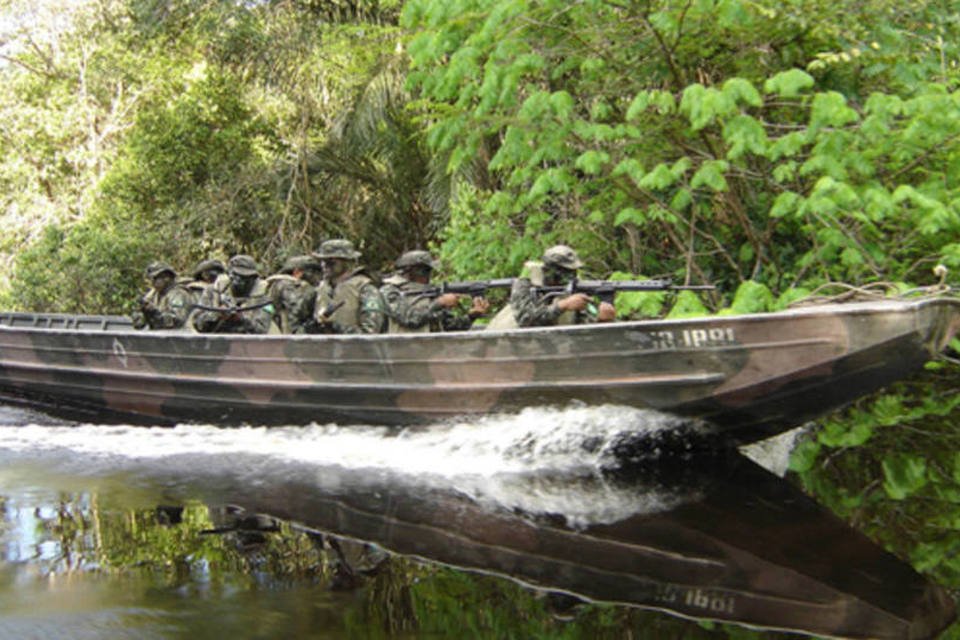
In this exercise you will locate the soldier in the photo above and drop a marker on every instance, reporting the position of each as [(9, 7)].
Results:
[(293, 292), (166, 305), (236, 302), (206, 272), (347, 299), (528, 308), (411, 309)]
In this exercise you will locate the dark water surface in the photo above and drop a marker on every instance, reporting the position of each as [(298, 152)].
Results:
[(521, 526)]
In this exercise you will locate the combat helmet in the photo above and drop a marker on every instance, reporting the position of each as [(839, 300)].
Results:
[(207, 265), (339, 248), (243, 265), (416, 258), (562, 256), (156, 268)]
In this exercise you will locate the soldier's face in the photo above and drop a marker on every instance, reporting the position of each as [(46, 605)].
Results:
[(241, 284), (210, 275), (311, 275), (554, 276), (333, 268), (162, 280), (419, 274)]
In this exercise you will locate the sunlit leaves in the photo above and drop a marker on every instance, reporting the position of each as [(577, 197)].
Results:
[(830, 109), (903, 475), (789, 83)]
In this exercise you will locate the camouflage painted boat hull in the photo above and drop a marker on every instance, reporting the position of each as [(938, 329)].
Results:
[(749, 376)]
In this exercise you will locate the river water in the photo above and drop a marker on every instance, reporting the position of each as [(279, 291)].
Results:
[(530, 525)]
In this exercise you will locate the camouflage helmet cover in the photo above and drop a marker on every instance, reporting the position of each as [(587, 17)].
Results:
[(293, 263), (562, 256), (207, 265), (243, 265), (416, 258), (156, 268), (342, 249)]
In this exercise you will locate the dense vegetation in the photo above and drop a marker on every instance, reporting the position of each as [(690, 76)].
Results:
[(723, 141), (768, 147)]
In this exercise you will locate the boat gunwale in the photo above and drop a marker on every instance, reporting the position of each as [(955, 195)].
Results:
[(871, 307)]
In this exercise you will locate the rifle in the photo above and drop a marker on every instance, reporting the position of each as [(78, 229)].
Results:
[(313, 325), (605, 290), (472, 288), (229, 311), (228, 314)]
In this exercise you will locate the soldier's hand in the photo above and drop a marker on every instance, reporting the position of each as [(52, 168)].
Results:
[(573, 302), (606, 312), (479, 307), (447, 300)]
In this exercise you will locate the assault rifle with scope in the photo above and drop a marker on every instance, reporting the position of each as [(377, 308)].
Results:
[(605, 290)]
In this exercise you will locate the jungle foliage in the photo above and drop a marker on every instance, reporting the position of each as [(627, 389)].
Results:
[(722, 141), (767, 147)]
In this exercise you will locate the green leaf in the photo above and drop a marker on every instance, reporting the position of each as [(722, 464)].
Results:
[(592, 162), (788, 146), (741, 90), (629, 215), (660, 177), (789, 84), (903, 475), (830, 109), (638, 106), (711, 174), (688, 305), (630, 167), (703, 106), (785, 204), (850, 257), (745, 134), (681, 200), (785, 172), (804, 456), (562, 104)]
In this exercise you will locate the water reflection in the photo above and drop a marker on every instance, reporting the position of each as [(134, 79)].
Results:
[(706, 536)]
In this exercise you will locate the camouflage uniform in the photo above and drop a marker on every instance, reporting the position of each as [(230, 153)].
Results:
[(293, 298), (197, 282), (220, 295), (166, 309), (532, 309), (409, 312), (351, 304)]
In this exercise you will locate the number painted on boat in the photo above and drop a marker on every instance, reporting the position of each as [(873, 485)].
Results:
[(696, 598), (692, 338), (712, 337)]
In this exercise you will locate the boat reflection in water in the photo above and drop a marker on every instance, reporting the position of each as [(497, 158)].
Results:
[(709, 537)]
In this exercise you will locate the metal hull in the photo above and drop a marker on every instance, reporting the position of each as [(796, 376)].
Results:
[(751, 376)]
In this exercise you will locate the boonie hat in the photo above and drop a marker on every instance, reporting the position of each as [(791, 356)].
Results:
[(417, 258), (299, 262), (339, 248), (207, 265), (562, 256), (242, 265), (156, 268)]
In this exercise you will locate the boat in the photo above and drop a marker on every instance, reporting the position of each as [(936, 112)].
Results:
[(746, 377)]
